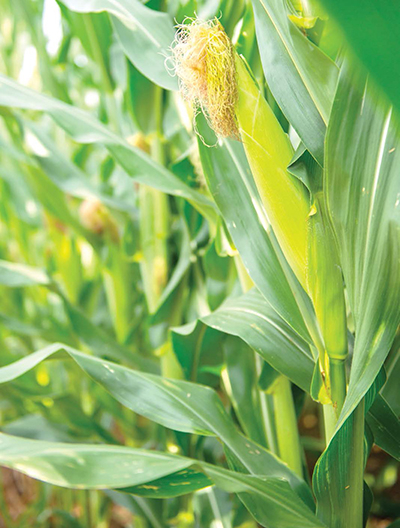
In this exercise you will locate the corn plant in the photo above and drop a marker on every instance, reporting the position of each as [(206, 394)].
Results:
[(200, 249)]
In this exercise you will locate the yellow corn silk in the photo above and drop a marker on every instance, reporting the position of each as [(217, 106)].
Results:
[(204, 63)]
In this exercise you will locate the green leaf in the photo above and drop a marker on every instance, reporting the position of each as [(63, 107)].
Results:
[(18, 275), (86, 129), (252, 318), (135, 470), (385, 426), (301, 78), (371, 28), (69, 178), (337, 477), (77, 466), (197, 347), (362, 183), (145, 34), (241, 385), (363, 194), (178, 405), (390, 390)]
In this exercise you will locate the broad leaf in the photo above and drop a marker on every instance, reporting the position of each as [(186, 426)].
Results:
[(363, 193), (341, 466), (371, 28), (252, 318), (148, 472), (385, 426), (15, 275), (69, 178), (18, 275), (362, 184), (179, 405)]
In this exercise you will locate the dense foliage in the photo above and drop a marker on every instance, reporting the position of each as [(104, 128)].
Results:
[(200, 263)]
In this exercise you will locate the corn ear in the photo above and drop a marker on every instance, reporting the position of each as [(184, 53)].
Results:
[(269, 152), (218, 81)]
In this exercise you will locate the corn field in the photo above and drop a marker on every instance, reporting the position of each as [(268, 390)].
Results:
[(199, 264)]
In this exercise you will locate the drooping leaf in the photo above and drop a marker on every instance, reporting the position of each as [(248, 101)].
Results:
[(179, 405), (145, 34), (252, 318), (86, 129), (137, 470), (69, 178), (17, 275)]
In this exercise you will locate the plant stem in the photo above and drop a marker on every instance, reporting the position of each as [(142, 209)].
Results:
[(111, 107), (338, 387), (330, 421), (286, 425), (337, 372), (154, 222), (266, 412)]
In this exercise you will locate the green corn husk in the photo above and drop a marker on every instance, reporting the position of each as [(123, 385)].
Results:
[(325, 287), (218, 81), (304, 233), (269, 152)]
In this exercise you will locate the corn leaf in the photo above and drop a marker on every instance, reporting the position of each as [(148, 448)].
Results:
[(301, 78), (252, 318), (385, 426), (178, 405), (138, 470), (362, 182), (344, 456), (86, 129), (145, 34), (363, 193), (371, 28), (17, 275)]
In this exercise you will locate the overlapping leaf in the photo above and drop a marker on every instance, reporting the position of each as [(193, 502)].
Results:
[(148, 472), (363, 190), (179, 405), (252, 318), (301, 78), (363, 193), (15, 275), (84, 128)]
